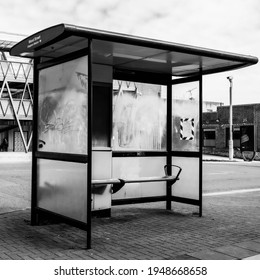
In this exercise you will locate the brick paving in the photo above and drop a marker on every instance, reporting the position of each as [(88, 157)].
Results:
[(229, 229)]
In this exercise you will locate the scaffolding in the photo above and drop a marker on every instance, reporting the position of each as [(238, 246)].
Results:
[(16, 99)]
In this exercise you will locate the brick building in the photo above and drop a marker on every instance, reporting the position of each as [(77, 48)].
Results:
[(246, 128)]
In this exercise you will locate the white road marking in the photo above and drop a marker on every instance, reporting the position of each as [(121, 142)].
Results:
[(221, 173), (231, 192)]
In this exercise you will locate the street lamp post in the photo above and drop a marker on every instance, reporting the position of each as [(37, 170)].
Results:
[(230, 144)]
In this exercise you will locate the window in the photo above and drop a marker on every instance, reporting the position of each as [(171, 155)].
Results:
[(209, 138)]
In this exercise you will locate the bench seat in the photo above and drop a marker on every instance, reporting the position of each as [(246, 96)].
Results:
[(98, 186)]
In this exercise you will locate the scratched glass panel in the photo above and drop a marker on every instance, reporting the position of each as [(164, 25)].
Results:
[(139, 116), (185, 117), (63, 188), (62, 113)]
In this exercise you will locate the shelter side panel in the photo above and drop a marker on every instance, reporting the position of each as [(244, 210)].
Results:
[(62, 188), (189, 184)]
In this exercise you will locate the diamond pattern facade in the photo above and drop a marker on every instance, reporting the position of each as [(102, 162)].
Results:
[(16, 100)]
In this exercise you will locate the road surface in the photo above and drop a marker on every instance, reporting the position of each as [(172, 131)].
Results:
[(15, 186), (227, 176)]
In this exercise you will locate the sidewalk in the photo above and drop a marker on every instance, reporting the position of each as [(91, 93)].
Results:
[(10, 157), (214, 159), (229, 229), (25, 157), (219, 158)]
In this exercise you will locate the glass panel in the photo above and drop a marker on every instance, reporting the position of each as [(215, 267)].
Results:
[(185, 114), (63, 188), (62, 114), (139, 116), (188, 185), (101, 169), (136, 167)]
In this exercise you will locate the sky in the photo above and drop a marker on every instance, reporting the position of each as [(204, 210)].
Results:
[(228, 25)]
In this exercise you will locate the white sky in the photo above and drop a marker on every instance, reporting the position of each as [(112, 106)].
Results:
[(229, 25)]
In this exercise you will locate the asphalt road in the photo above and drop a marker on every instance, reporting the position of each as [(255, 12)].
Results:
[(15, 186), (227, 176), (15, 181)]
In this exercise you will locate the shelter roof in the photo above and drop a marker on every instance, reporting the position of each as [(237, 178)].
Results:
[(128, 52)]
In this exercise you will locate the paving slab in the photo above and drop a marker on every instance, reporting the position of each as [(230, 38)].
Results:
[(257, 240), (185, 257), (250, 245), (229, 229), (235, 251), (211, 255)]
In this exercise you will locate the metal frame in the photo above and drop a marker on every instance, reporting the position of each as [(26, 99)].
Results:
[(34, 212), (201, 144), (90, 122), (168, 153), (192, 154), (158, 79), (169, 145), (37, 212)]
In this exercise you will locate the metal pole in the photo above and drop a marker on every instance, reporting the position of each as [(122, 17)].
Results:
[(230, 144), (90, 125), (169, 144)]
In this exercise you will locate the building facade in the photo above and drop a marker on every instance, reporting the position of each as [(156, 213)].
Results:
[(16, 100), (246, 128)]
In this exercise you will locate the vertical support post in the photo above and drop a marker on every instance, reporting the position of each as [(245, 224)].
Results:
[(230, 144), (255, 128), (169, 142), (200, 144), (89, 168), (34, 215)]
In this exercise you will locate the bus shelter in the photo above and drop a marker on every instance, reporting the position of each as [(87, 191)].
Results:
[(117, 120)]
